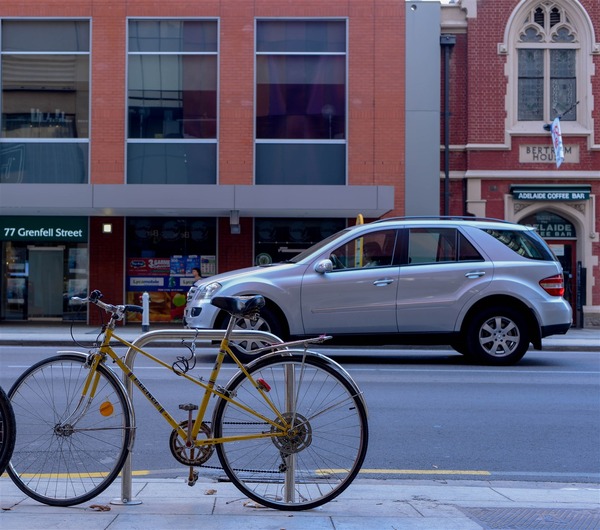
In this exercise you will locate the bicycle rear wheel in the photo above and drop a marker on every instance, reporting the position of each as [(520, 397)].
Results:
[(7, 430), (318, 457), (67, 452)]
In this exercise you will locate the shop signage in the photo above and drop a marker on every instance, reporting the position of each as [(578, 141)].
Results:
[(551, 193), (44, 229), (555, 230), (551, 226), (544, 154)]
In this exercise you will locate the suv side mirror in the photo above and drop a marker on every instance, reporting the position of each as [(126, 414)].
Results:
[(323, 266)]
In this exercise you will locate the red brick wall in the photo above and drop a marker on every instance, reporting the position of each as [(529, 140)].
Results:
[(107, 263), (375, 101)]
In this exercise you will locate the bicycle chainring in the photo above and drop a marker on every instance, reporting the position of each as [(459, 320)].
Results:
[(194, 455)]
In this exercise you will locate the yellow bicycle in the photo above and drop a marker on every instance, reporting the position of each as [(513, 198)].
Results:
[(290, 428)]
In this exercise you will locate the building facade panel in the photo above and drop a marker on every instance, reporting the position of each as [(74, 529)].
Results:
[(108, 198)]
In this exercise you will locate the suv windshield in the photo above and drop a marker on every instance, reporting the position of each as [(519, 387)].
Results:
[(525, 243)]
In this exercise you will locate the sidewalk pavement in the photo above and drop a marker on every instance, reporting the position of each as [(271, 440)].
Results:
[(587, 339), (366, 504)]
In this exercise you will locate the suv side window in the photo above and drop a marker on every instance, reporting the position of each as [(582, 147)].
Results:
[(525, 243), (439, 245), (466, 250), (375, 249)]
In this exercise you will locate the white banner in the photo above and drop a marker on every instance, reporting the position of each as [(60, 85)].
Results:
[(559, 151)]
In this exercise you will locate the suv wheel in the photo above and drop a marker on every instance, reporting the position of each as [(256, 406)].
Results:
[(498, 336), (267, 321)]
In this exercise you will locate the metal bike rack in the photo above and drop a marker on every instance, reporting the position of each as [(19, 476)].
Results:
[(172, 335)]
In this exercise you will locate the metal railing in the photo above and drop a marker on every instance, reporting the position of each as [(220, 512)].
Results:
[(165, 335)]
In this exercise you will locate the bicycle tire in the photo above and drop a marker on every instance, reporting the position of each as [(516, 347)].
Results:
[(325, 452), (70, 465), (8, 428)]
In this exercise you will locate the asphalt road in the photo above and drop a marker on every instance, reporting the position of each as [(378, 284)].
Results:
[(431, 414)]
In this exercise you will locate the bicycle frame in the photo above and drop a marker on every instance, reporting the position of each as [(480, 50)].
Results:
[(279, 428)]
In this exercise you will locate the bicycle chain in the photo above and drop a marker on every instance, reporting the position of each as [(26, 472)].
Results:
[(234, 468)]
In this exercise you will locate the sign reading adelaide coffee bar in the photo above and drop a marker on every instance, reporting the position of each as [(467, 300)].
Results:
[(541, 192), (544, 154)]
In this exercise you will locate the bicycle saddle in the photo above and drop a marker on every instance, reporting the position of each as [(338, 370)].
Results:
[(239, 306)]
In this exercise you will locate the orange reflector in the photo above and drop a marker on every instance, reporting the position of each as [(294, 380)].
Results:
[(106, 409)]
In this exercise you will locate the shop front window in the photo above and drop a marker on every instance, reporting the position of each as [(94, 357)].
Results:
[(280, 239), (161, 255), (41, 276)]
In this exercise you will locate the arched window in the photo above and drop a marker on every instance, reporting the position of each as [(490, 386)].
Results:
[(546, 53), (549, 44)]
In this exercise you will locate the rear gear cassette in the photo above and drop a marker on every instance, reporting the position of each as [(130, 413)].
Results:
[(297, 438)]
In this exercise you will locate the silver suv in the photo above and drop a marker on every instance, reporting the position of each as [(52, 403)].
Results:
[(488, 288)]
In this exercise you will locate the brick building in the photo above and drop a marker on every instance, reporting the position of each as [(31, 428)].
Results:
[(140, 139), (513, 67)]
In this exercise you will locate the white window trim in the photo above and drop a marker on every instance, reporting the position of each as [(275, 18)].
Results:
[(580, 20)]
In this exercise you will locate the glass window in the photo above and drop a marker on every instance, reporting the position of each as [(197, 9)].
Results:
[(547, 56), (172, 102), (301, 102), (300, 163), (161, 253), (375, 249), (45, 68), (438, 245), (281, 239), (45, 35), (466, 250), (527, 244), (173, 36)]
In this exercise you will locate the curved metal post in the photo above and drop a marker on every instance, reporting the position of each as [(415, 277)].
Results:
[(166, 335)]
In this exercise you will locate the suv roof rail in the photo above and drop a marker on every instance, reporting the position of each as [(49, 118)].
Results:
[(442, 217)]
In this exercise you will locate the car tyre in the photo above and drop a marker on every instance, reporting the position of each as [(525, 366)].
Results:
[(498, 336), (267, 321)]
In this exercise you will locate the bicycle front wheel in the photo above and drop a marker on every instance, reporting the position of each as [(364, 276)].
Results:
[(68, 449), (7, 430), (306, 451)]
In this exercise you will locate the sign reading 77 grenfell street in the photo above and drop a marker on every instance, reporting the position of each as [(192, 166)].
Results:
[(44, 229)]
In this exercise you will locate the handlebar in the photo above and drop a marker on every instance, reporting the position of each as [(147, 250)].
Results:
[(117, 311)]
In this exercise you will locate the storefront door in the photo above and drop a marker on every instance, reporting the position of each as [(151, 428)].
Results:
[(45, 283), (566, 253)]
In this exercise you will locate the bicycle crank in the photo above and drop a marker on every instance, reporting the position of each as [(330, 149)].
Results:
[(192, 455)]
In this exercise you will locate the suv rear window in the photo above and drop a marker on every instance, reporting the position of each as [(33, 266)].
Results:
[(525, 243)]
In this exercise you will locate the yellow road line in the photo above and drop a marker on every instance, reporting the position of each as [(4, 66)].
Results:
[(408, 472), (145, 472), (139, 473)]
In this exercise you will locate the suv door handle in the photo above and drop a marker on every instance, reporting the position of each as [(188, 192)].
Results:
[(383, 282), (475, 274)]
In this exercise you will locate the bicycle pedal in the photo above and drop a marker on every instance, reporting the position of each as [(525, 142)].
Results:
[(193, 477), (188, 406)]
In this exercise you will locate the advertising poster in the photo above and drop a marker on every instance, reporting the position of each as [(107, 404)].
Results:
[(167, 281)]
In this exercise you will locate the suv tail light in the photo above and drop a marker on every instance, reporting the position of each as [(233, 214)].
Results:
[(554, 285)]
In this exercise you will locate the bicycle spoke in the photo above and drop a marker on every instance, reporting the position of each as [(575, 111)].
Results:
[(323, 448), (66, 453)]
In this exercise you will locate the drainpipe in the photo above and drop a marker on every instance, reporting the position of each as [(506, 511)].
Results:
[(447, 42)]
